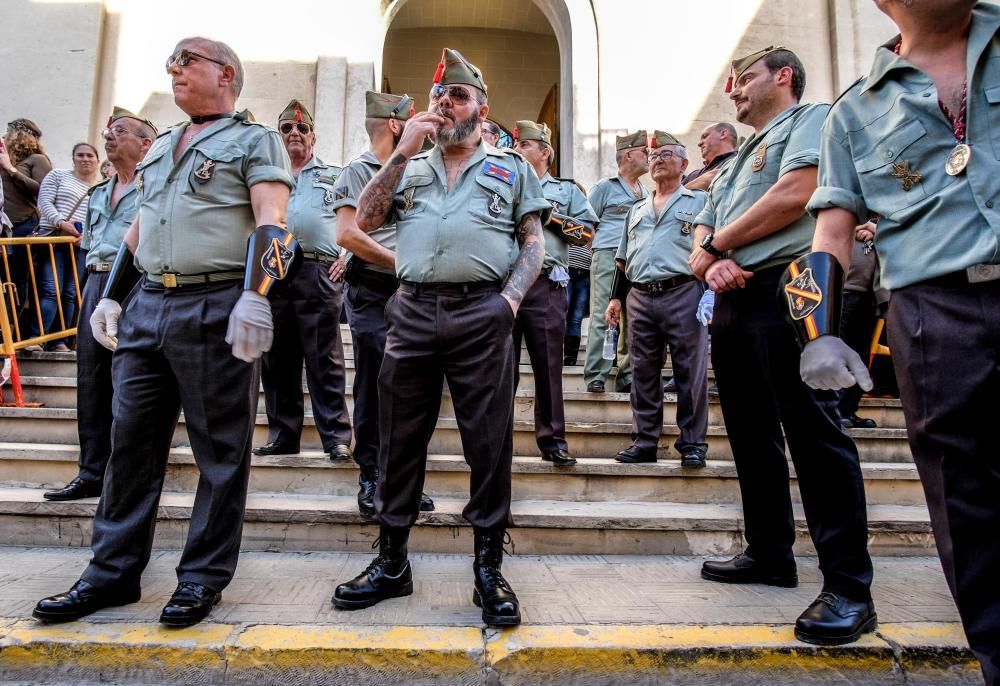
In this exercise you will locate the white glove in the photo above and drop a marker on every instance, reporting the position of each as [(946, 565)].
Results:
[(251, 328), (104, 322), (829, 364), (705, 308)]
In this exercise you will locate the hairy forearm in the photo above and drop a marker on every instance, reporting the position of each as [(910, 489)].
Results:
[(351, 238), (781, 205), (529, 259), (375, 202)]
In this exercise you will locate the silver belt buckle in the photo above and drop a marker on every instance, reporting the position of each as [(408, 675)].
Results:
[(102, 267), (981, 273)]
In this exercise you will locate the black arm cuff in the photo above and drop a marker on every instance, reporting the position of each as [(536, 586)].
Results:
[(273, 255), (812, 290), (573, 231), (620, 285), (122, 277)]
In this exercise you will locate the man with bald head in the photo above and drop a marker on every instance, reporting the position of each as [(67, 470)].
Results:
[(718, 143)]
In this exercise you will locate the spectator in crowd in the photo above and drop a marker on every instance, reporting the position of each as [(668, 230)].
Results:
[(579, 257), (62, 202), (718, 143), (857, 323), (490, 132), (107, 169)]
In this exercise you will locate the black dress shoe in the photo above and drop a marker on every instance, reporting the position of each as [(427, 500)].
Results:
[(341, 453), (559, 457), (426, 503), (713, 390), (275, 449), (189, 604), (743, 569), (670, 386), (634, 454), (81, 600), (75, 489), (387, 576), (856, 422), (367, 481), (834, 620), (595, 387), (492, 591), (693, 457)]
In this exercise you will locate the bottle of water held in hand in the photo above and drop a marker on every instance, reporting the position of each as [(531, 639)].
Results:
[(610, 344)]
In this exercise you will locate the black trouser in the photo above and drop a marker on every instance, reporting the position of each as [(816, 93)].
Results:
[(657, 321), (945, 343), (541, 322), (172, 354), (435, 333), (306, 328), (367, 296), (94, 390), (857, 324), (756, 360)]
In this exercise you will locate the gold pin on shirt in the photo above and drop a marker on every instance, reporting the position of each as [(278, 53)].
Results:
[(906, 176)]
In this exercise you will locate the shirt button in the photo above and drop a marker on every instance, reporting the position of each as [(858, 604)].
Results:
[(444, 216), (989, 203), (927, 95), (163, 221)]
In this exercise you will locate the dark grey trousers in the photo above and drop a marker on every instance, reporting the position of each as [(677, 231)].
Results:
[(307, 328), (172, 354), (945, 343), (664, 320), (93, 387)]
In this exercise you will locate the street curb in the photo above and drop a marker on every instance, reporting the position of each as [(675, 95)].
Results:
[(258, 654)]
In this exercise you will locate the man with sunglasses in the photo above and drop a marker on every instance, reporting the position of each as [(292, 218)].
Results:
[(753, 225), (459, 208), (190, 338), (611, 199), (662, 297), (112, 208), (307, 311)]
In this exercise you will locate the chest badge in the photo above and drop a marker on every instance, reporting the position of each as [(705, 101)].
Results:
[(138, 181), (686, 228), (495, 207), (759, 158), (408, 199), (328, 196), (906, 176), (204, 173)]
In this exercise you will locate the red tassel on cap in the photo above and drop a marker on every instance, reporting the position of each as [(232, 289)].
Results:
[(110, 119), (413, 110), (729, 83), (515, 133), (298, 113), (440, 69)]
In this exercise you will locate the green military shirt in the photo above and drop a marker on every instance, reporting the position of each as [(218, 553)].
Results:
[(106, 226), (353, 179), (311, 215), (789, 142), (464, 234), (565, 197), (611, 200), (656, 245), (888, 130), (195, 214)]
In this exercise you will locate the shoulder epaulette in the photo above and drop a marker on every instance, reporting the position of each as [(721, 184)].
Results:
[(847, 90)]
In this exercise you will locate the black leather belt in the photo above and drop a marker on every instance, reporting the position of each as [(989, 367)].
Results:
[(99, 267), (382, 280), (447, 288), (976, 274), (663, 285)]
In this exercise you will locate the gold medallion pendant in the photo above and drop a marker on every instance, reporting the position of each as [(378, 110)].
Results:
[(958, 160)]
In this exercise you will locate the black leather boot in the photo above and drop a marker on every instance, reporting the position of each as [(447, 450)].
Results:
[(493, 593), (571, 350), (367, 481), (387, 576)]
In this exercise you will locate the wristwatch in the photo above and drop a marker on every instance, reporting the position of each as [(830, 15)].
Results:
[(706, 245)]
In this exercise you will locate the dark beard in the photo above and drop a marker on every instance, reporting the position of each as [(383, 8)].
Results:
[(460, 131)]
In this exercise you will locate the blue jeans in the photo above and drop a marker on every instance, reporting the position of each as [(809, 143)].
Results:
[(49, 296), (579, 300)]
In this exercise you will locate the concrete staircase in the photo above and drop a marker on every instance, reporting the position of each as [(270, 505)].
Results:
[(304, 502)]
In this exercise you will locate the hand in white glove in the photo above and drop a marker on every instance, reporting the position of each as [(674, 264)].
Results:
[(251, 328), (104, 322), (705, 308), (829, 364)]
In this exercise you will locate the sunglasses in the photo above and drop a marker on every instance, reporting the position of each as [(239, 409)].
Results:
[(183, 58), (287, 127), (457, 94)]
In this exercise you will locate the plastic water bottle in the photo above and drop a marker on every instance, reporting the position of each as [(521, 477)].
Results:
[(610, 344)]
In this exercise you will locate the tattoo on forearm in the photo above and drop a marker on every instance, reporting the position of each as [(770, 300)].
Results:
[(375, 202), (529, 260)]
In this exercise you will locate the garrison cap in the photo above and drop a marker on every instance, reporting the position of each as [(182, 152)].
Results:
[(26, 125), (631, 140), (122, 113), (661, 138), (527, 130), (454, 68), (296, 111), (388, 106), (744, 63)]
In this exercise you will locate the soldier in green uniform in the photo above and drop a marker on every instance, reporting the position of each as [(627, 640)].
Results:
[(662, 298), (458, 208), (307, 312), (189, 337), (371, 280), (754, 223), (111, 210), (917, 142), (611, 199), (541, 319)]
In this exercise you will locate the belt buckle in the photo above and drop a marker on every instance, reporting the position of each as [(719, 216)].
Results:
[(656, 287), (103, 267), (169, 280), (981, 273)]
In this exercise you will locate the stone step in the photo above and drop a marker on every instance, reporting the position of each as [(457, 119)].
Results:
[(284, 522), (586, 439), (45, 466)]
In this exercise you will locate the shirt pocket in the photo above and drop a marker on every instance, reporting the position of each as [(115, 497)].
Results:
[(492, 201), (212, 169), (684, 226), (993, 98), (410, 200), (763, 164), (890, 181)]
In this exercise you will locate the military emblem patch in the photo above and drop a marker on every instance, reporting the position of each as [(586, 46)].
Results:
[(408, 199), (276, 259), (328, 196), (804, 295), (508, 176), (906, 176), (495, 207), (204, 173), (759, 158), (686, 228)]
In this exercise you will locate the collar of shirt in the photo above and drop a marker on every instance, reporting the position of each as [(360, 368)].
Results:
[(648, 204), (628, 189), (177, 133), (369, 157), (718, 161), (436, 161)]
